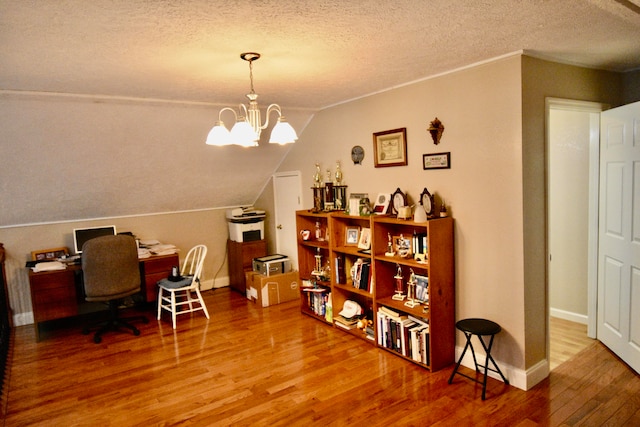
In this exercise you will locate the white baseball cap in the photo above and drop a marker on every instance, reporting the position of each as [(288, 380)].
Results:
[(350, 309)]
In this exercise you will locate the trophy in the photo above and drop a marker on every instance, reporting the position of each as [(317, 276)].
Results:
[(318, 191), (317, 271), (411, 291), (399, 282), (390, 251)]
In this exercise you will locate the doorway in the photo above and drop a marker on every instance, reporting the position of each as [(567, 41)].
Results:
[(572, 203), (287, 193)]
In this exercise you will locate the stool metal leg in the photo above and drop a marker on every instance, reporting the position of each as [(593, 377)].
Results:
[(468, 344), (486, 367)]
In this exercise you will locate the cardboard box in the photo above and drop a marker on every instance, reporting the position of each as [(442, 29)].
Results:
[(271, 290)]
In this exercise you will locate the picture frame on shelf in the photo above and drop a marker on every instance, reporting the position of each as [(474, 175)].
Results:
[(49, 254), (402, 246), (364, 242), (398, 200), (422, 288), (381, 206), (436, 161), (390, 148), (351, 236)]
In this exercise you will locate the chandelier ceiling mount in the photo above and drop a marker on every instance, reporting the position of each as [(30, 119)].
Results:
[(248, 126)]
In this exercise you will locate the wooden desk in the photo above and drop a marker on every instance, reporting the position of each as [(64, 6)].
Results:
[(59, 294)]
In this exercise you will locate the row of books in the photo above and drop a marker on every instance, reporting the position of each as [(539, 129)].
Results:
[(404, 334), (361, 277), (318, 300)]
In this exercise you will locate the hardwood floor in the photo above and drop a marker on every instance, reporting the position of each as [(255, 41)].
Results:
[(273, 367), (567, 339)]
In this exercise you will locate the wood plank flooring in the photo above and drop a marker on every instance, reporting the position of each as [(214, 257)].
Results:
[(567, 339), (276, 367)]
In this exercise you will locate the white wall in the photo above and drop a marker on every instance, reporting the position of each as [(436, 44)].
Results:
[(481, 111)]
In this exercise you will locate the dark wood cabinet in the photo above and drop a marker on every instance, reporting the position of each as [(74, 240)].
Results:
[(241, 255)]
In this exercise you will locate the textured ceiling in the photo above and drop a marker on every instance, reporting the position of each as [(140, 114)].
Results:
[(316, 53)]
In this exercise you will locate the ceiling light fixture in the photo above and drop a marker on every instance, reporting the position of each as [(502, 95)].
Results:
[(246, 131)]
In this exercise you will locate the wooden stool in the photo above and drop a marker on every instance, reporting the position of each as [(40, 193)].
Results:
[(480, 328)]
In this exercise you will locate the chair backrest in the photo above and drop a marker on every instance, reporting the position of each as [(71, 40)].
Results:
[(110, 268), (193, 263)]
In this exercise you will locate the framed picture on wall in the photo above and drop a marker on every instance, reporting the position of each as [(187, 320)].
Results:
[(436, 161), (390, 148)]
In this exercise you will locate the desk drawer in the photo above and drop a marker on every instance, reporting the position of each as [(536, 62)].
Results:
[(153, 269), (53, 295)]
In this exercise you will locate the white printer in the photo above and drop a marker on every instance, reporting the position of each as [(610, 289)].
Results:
[(246, 224)]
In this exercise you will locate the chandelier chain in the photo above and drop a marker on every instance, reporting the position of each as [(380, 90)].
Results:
[(251, 75)]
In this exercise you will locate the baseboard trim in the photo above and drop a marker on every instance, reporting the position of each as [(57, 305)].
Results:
[(519, 378), (568, 315)]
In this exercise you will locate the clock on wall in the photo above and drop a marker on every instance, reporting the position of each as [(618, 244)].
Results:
[(357, 154)]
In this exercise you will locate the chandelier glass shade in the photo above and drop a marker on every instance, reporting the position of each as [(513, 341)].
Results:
[(248, 124)]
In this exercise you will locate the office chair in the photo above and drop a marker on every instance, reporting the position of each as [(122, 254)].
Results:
[(175, 296), (111, 272)]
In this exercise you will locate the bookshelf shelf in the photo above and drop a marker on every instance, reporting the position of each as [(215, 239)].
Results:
[(401, 329)]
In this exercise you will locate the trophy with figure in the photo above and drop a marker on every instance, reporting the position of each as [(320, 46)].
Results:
[(399, 296)]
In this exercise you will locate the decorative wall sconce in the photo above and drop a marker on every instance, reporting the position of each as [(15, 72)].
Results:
[(436, 128)]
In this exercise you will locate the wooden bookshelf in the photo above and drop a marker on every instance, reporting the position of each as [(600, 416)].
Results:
[(341, 255)]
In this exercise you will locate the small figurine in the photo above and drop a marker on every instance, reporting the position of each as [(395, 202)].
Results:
[(443, 210)]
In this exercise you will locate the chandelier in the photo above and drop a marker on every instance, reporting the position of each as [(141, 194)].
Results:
[(246, 131)]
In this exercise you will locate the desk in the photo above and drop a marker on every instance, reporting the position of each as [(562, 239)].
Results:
[(59, 294)]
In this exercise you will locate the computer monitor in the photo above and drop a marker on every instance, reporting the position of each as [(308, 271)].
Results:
[(81, 235)]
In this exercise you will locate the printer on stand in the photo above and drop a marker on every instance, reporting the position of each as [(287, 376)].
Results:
[(246, 224)]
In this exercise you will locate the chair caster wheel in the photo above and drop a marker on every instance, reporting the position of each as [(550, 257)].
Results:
[(136, 332), (97, 340)]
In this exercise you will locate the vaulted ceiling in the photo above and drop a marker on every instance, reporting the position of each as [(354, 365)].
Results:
[(316, 53)]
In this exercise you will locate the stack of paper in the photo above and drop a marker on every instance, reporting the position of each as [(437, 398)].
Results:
[(161, 249)]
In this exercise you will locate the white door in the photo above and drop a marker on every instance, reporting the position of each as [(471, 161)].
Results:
[(619, 233), (287, 194)]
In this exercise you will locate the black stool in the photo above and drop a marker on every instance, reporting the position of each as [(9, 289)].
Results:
[(479, 327)]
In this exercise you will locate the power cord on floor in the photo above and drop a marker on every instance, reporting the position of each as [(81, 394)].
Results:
[(215, 275)]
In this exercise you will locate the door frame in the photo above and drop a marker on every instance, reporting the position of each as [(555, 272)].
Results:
[(594, 109)]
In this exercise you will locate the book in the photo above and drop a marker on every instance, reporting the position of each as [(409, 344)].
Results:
[(389, 312), (365, 276)]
